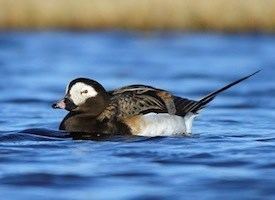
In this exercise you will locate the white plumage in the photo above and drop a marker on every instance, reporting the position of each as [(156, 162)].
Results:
[(77, 93), (164, 124)]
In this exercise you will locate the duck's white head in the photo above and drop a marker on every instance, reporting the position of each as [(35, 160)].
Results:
[(83, 95)]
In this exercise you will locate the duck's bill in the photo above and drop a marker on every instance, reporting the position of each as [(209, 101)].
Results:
[(59, 105), (66, 104)]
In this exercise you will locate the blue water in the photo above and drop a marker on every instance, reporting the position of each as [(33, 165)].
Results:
[(231, 154)]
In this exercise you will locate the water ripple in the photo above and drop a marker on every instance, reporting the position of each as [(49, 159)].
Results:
[(229, 156)]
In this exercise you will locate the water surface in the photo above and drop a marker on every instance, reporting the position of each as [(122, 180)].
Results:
[(230, 155)]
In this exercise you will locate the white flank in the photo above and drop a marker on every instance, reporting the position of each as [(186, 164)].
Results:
[(164, 124), (78, 95)]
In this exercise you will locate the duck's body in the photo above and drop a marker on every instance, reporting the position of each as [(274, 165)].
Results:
[(135, 109)]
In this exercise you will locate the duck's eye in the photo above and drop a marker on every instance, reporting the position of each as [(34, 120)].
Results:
[(84, 92)]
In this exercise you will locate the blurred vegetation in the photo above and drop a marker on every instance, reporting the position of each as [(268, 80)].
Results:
[(221, 15)]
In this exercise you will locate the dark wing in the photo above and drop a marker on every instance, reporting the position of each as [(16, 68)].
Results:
[(134, 100), (141, 99), (138, 99)]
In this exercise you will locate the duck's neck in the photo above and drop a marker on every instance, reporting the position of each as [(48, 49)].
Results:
[(93, 107)]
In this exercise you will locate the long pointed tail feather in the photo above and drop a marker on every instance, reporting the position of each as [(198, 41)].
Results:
[(205, 100)]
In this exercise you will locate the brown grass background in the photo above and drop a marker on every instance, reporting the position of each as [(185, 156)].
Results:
[(220, 15)]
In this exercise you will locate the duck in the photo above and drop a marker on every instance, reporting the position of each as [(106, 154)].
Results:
[(139, 110)]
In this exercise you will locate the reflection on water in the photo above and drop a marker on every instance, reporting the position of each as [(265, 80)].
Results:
[(230, 155)]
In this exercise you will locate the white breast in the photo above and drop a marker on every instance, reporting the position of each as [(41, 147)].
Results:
[(164, 124)]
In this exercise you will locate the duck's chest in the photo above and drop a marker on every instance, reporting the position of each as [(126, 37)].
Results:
[(88, 124), (80, 123)]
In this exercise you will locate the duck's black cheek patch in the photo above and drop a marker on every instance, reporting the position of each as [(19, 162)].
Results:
[(69, 104)]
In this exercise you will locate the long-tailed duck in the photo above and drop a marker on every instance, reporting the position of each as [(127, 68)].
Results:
[(136, 109)]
